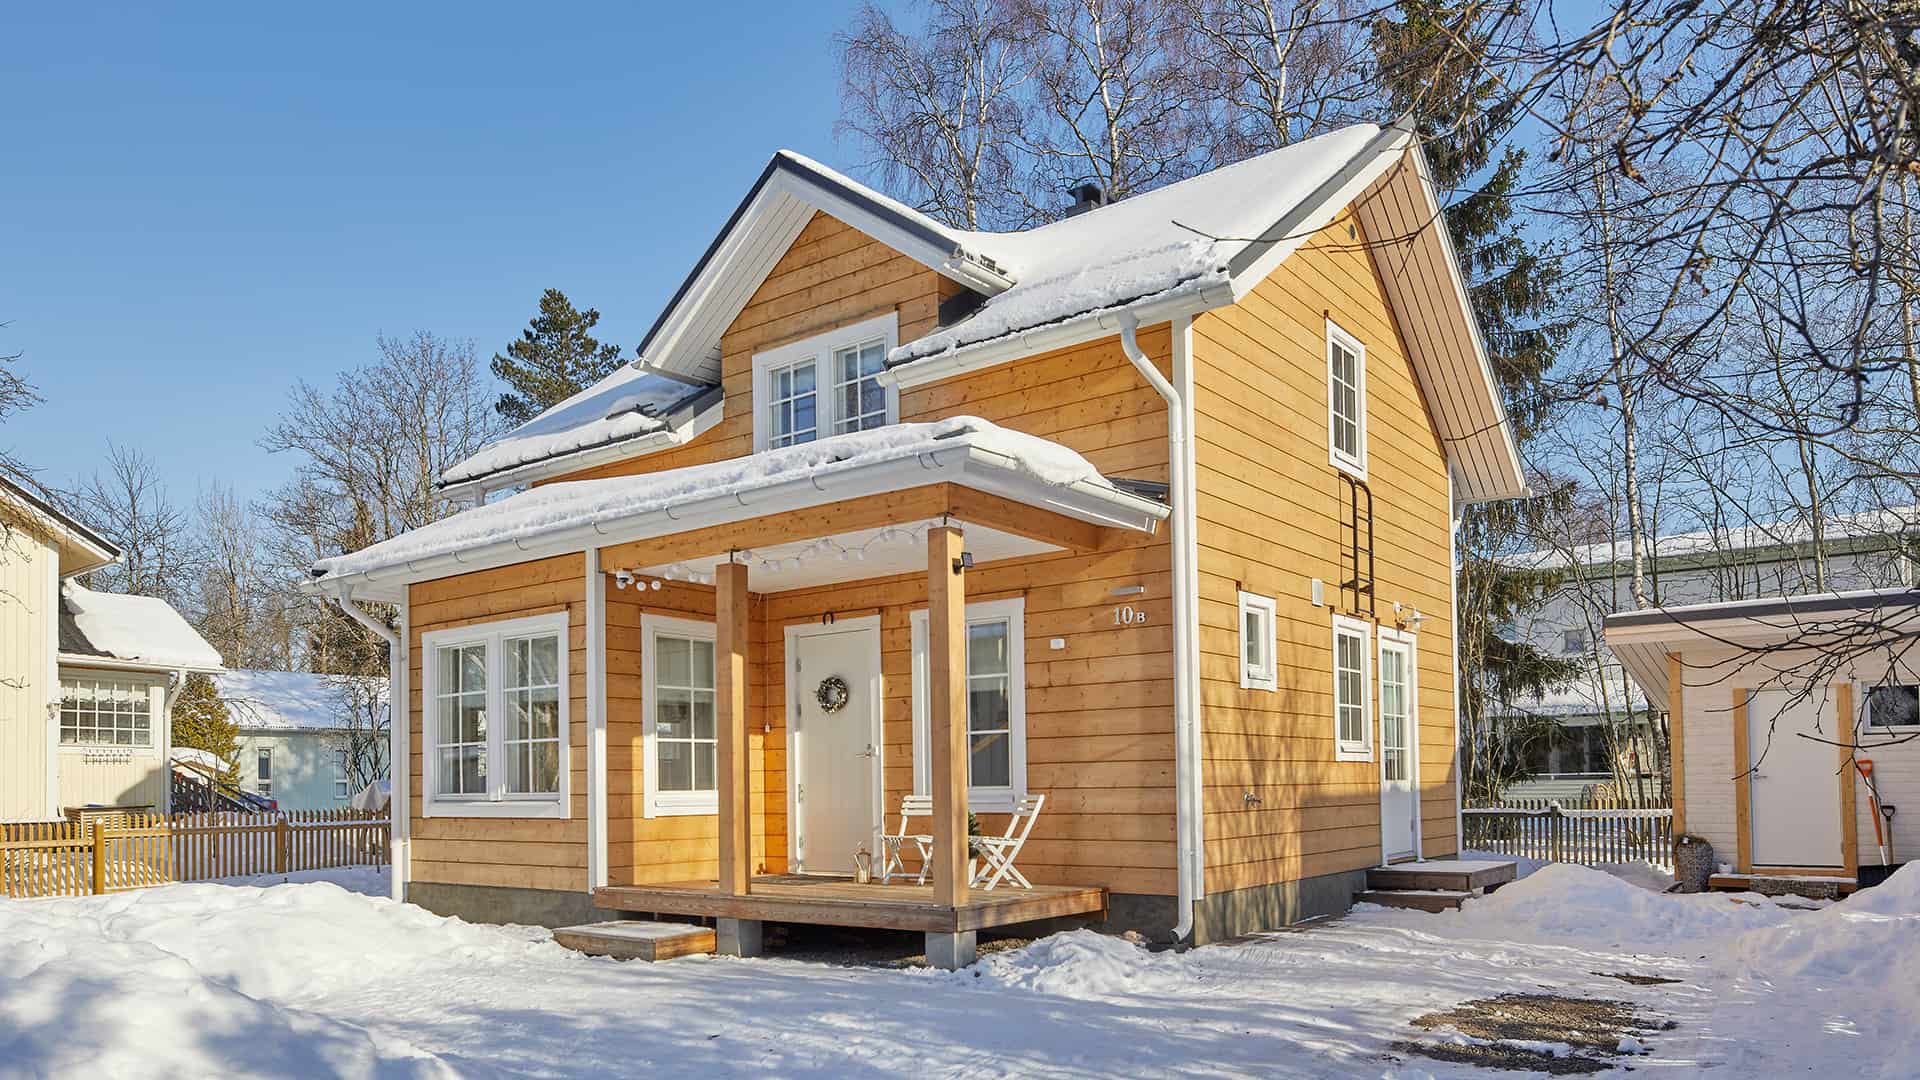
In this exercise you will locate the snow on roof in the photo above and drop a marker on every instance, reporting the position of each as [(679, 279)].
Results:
[(628, 404), (137, 629), (294, 700), (1892, 521), (1591, 694), (1182, 236), (585, 503)]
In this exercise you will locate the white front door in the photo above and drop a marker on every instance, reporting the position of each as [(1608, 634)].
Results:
[(1399, 746), (1794, 803), (834, 748)]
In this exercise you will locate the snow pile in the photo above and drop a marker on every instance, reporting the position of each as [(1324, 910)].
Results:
[(1077, 964), (581, 503), (100, 999), (296, 700), (627, 404), (1564, 904), (1865, 941), (139, 628)]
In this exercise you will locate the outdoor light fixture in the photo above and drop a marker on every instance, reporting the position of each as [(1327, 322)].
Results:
[(622, 578), (964, 562)]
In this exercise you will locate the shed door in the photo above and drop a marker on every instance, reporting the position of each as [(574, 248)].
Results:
[(1795, 802)]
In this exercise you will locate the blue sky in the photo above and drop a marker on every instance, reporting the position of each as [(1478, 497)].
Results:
[(199, 208)]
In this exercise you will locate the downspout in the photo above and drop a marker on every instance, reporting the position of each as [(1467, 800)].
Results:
[(1459, 699), (175, 684), (1189, 829), (397, 720)]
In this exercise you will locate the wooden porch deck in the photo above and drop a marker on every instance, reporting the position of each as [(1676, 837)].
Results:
[(838, 901)]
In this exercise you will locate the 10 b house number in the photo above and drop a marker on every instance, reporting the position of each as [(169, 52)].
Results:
[(1128, 615)]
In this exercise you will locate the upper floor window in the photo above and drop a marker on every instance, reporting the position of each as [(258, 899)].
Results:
[(105, 712), (1346, 401), (496, 718), (824, 385)]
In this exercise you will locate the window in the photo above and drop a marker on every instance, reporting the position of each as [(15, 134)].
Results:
[(1352, 734), (496, 719), (340, 780), (680, 722), (263, 772), (1573, 642), (103, 712), (825, 385), (996, 704), (1257, 636), (1893, 706), (1396, 707), (1346, 401)]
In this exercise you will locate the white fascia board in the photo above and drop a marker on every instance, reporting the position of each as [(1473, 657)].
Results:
[(590, 457), (1076, 331), (953, 262), (965, 464), (109, 663)]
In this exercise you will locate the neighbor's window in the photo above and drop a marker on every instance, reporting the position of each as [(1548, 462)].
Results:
[(1574, 642), (1895, 705), (497, 718), (1257, 637), (1347, 401), (1352, 737), (996, 704), (825, 385), (680, 717), (340, 774), (103, 712), (263, 772)]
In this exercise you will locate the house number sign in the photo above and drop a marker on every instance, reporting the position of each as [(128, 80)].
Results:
[(1128, 615)]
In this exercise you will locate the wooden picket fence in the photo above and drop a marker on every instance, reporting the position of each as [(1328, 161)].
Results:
[(1593, 837), (135, 851)]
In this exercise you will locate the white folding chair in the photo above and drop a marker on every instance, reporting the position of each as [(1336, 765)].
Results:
[(997, 853), (893, 845)]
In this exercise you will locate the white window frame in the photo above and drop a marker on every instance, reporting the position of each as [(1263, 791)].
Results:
[(263, 785), (987, 800), (1864, 723), (820, 350), (1344, 749), (1354, 464), (1267, 676), (103, 680), (495, 802), (654, 802), (341, 782)]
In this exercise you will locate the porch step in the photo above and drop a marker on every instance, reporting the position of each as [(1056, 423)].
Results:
[(635, 939), (1416, 899), (1811, 886), (1445, 875)]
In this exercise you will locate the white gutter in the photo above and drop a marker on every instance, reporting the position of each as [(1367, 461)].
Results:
[(570, 461), (90, 660), (1190, 826), (1025, 343), (398, 718)]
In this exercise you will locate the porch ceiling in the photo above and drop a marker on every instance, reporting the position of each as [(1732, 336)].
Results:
[(846, 557)]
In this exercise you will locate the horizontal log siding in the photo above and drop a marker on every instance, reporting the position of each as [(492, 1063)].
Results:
[(1270, 521)]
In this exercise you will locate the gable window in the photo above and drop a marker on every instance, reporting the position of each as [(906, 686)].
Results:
[(263, 772), (1573, 642), (1352, 734), (996, 704), (824, 385), (1346, 401), (1893, 706), (679, 717), (496, 723), (105, 712), (1258, 633)]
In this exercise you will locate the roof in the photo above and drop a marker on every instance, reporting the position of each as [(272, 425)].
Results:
[(565, 516), (81, 548), (130, 631), (295, 700), (1592, 694), (1861, 619), (1758, 536), (630, 405)]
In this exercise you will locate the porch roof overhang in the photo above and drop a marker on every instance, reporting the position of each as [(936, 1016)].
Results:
[(962, 468)]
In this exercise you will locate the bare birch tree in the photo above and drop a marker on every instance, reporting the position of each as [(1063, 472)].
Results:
[(130, 504)]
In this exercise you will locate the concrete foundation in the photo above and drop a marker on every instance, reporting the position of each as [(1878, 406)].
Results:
[(1268, 907), (738, 937), (951, 952), (496, 904)]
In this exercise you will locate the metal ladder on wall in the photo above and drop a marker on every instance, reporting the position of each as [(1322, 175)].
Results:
[(1356, 558)]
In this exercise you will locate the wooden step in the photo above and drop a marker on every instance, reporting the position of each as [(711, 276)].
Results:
[(1417, 899), (1811, 886), (1449, 875), (635, 939)]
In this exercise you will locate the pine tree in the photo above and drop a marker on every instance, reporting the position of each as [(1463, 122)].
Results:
[(201, 721), (555, 358), (1434, 67)]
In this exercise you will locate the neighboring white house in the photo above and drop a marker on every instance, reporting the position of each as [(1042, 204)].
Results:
[(299, 731), (87, 679)]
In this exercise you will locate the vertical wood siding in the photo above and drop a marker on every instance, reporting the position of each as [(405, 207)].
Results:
[(27, 628)]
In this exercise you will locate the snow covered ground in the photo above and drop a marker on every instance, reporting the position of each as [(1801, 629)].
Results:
[(312, 979)]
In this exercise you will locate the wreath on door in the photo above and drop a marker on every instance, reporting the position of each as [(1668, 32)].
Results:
[(832, 694)]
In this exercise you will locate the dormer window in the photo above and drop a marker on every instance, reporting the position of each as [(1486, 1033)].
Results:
[(824, 385)]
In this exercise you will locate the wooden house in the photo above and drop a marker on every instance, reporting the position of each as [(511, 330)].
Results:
[(1148, 510)]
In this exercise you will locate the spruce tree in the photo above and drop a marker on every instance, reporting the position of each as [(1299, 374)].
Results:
[(555, 358), (201, 721), (1433, 58)]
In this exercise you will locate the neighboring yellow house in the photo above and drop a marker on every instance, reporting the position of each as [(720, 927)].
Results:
[(1148, 511), (87, 679)]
